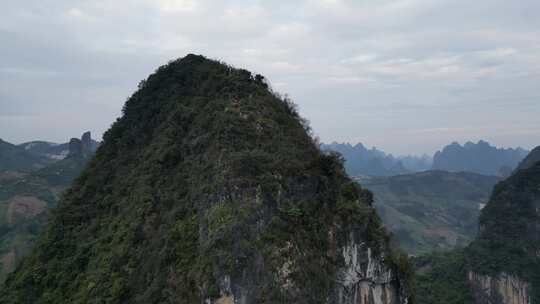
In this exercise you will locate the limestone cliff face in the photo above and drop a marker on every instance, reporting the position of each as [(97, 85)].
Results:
[(365, 275), (365, 279), (502, 289)]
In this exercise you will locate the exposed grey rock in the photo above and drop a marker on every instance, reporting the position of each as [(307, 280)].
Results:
[(502, 289)]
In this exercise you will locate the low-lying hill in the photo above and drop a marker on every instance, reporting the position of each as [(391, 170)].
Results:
[(432, 210), (26, 200), (15, 158)]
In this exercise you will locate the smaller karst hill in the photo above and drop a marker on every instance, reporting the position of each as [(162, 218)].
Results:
[(501, 266)]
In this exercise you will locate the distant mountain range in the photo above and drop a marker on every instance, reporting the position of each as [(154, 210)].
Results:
[(431, 206), (360, 160), (481, 158)]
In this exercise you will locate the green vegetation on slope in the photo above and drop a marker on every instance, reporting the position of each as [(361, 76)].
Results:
[(507, 243), (441, 278), (26, 200), (432, 210), (509, 228), (208, 185)]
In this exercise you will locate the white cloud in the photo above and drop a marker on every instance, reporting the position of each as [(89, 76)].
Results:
[(361, 58), (172, 6), (498, 52)]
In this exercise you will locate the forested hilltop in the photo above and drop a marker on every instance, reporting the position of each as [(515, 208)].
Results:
[(210, 189)]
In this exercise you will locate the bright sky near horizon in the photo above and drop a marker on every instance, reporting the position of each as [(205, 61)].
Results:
[(406, 76)]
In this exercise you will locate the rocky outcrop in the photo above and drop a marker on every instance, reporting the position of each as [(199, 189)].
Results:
[(502, 289), (75, 146), (364, 279), (86, 140), (84, 146)]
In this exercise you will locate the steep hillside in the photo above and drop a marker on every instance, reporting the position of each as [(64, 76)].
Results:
[(25, 203), (532, 159), (441, 278), (507, 250), (209, 190), (480, 158), (432, 210)]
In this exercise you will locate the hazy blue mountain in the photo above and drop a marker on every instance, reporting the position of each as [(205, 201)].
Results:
[(416, 163), (360, 161), (480, 158)]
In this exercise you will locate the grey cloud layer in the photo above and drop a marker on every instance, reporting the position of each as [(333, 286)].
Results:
[(405, 75)]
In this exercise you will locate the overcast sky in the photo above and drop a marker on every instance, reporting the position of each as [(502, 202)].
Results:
[(406, 76)]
